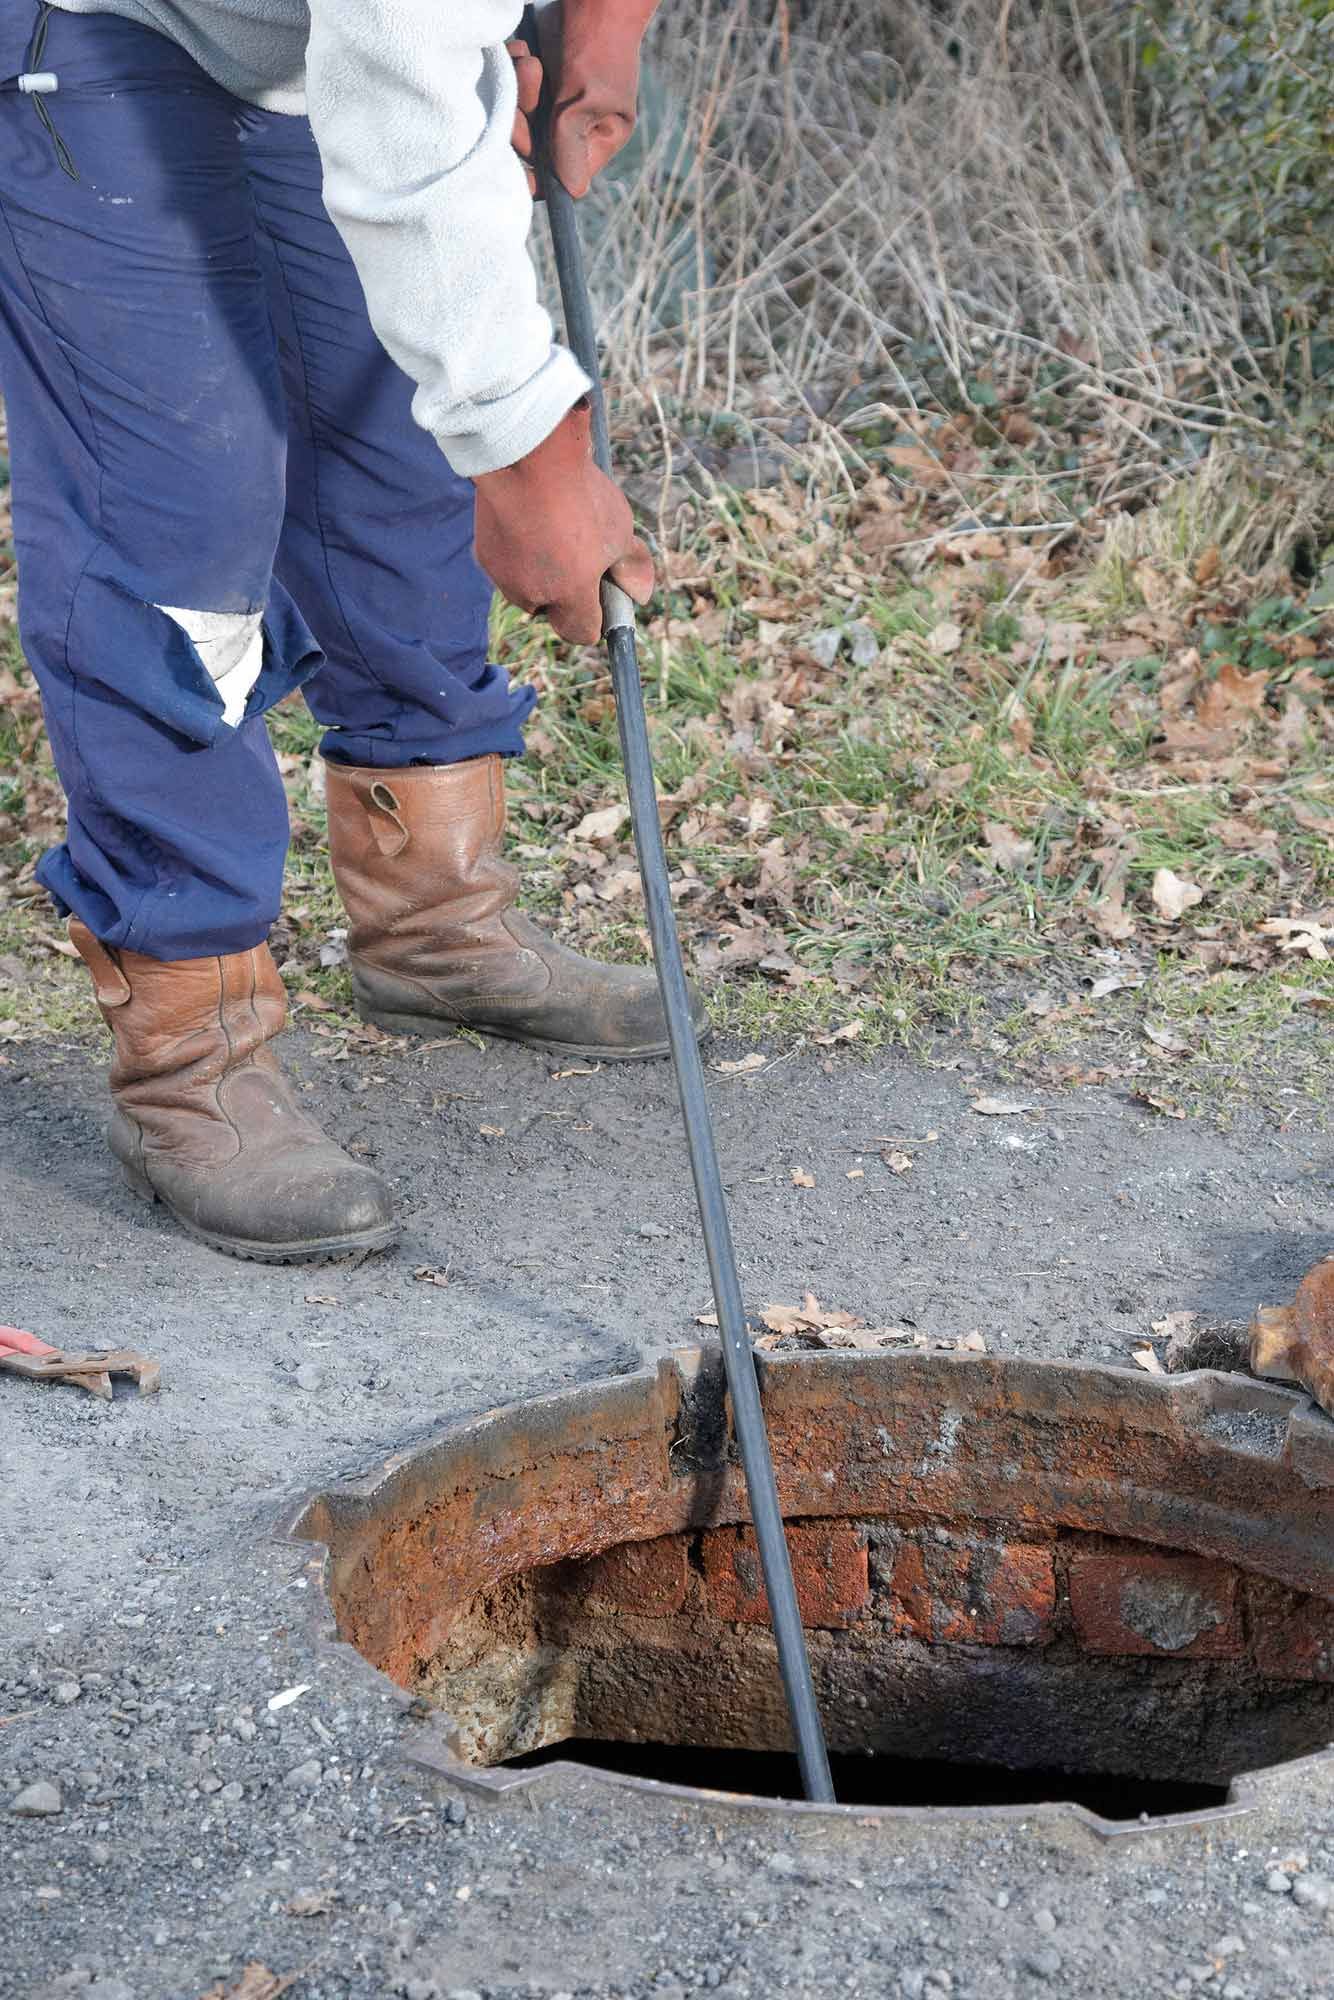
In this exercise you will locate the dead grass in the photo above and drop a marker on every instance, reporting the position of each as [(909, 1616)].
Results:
[(965, 222)]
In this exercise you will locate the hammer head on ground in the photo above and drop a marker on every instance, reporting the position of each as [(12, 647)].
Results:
[(1296, 1343)]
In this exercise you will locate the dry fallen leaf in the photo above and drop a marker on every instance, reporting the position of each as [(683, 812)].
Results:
[(575, 1069), (312, 1903), (1114, 982), (491, 1131), (1173, 895), (925, 469), (1145, 1358), (602, 823), (1166, 1039), (1010, 850), (847, 1033), (1167, 1105), (898, 1163), (856, 1174), (800, 1178), (945, 638), (428, 1274), (255, 1983), (1312, 935), (743, 1066), (999, 1107), (53, 943), (315, 1001), (809, 1317), (320, 1299), (972, 1343)]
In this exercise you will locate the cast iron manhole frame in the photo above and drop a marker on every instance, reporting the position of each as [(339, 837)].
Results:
[(1176, 1410)]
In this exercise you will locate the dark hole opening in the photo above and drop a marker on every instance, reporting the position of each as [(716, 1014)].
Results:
[(885, 1781)]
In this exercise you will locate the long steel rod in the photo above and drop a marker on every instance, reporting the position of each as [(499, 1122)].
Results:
[(738, 1356)]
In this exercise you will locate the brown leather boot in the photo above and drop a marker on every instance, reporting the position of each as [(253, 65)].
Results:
[(1296, 1343), (206, 1122), (435, 936)]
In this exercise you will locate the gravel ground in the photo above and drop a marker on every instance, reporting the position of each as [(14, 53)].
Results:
[(150, 1606)]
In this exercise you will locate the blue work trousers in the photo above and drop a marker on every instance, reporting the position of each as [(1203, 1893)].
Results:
[(200, 417)]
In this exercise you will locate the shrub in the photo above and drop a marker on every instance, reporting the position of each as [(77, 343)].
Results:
[(1244, 94)]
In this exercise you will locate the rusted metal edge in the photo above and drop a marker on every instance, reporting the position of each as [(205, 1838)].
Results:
[(1310, 1444)]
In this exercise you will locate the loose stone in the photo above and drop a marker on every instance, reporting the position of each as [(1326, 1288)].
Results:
[(1277, 1883), (1312, 1892), (37, 1801), (305, 1777)]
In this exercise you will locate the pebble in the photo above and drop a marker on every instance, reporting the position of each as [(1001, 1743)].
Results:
[(1045, 1963), (1234, 1990), (782, 1864), (1229, 1946), (233, 1793), (1313, 1892), (99, 1854), (66, 1692), (37, 1801), (1277, 1883), (1044, 1921), (109, 1989), (463, 1993), (310, 1376), (305, 1777), (1003, 1900), (421, 1989)]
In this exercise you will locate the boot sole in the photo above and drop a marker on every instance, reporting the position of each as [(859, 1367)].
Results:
[(428, 1025), (314, 1250)]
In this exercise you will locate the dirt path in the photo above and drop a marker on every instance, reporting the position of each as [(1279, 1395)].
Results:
[(148, 1609)]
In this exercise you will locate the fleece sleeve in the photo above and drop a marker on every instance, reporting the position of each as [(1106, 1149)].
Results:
[(412, 105)]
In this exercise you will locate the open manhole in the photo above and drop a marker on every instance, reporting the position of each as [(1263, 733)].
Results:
[(1022, 1582)]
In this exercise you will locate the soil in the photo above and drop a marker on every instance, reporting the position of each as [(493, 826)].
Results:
[(150, 1605)]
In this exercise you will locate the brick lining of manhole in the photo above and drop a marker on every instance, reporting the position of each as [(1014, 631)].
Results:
[(1000, 1563)]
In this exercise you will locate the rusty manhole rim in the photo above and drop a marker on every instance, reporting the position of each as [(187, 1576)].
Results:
[(1309, 1444)]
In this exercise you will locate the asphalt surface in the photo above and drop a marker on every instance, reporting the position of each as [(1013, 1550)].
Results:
[(151, 1607)]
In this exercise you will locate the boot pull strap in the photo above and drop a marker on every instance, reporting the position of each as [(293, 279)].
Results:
[(384, 806), (110, 985)]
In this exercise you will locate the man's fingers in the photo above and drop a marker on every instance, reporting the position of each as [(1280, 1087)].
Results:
[(13, 1339), (527, 75), (634, 573), (578, 619), (582, 142)]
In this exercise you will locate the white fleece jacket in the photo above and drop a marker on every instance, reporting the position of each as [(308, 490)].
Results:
[(412, 106)]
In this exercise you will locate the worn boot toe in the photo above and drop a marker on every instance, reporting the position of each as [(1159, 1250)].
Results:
[(436, 939)]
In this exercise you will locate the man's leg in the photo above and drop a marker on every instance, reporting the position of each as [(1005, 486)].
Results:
[(147, 434), (147, 439), (377, 548), (377, 544)]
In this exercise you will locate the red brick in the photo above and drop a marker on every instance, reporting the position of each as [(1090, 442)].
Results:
[(828, 1567), (975, 1593), (1292, 1638), (1169, 1606), (637, 1579)]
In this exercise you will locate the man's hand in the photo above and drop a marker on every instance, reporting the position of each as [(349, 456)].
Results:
[(590, 56), (550, 527)]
